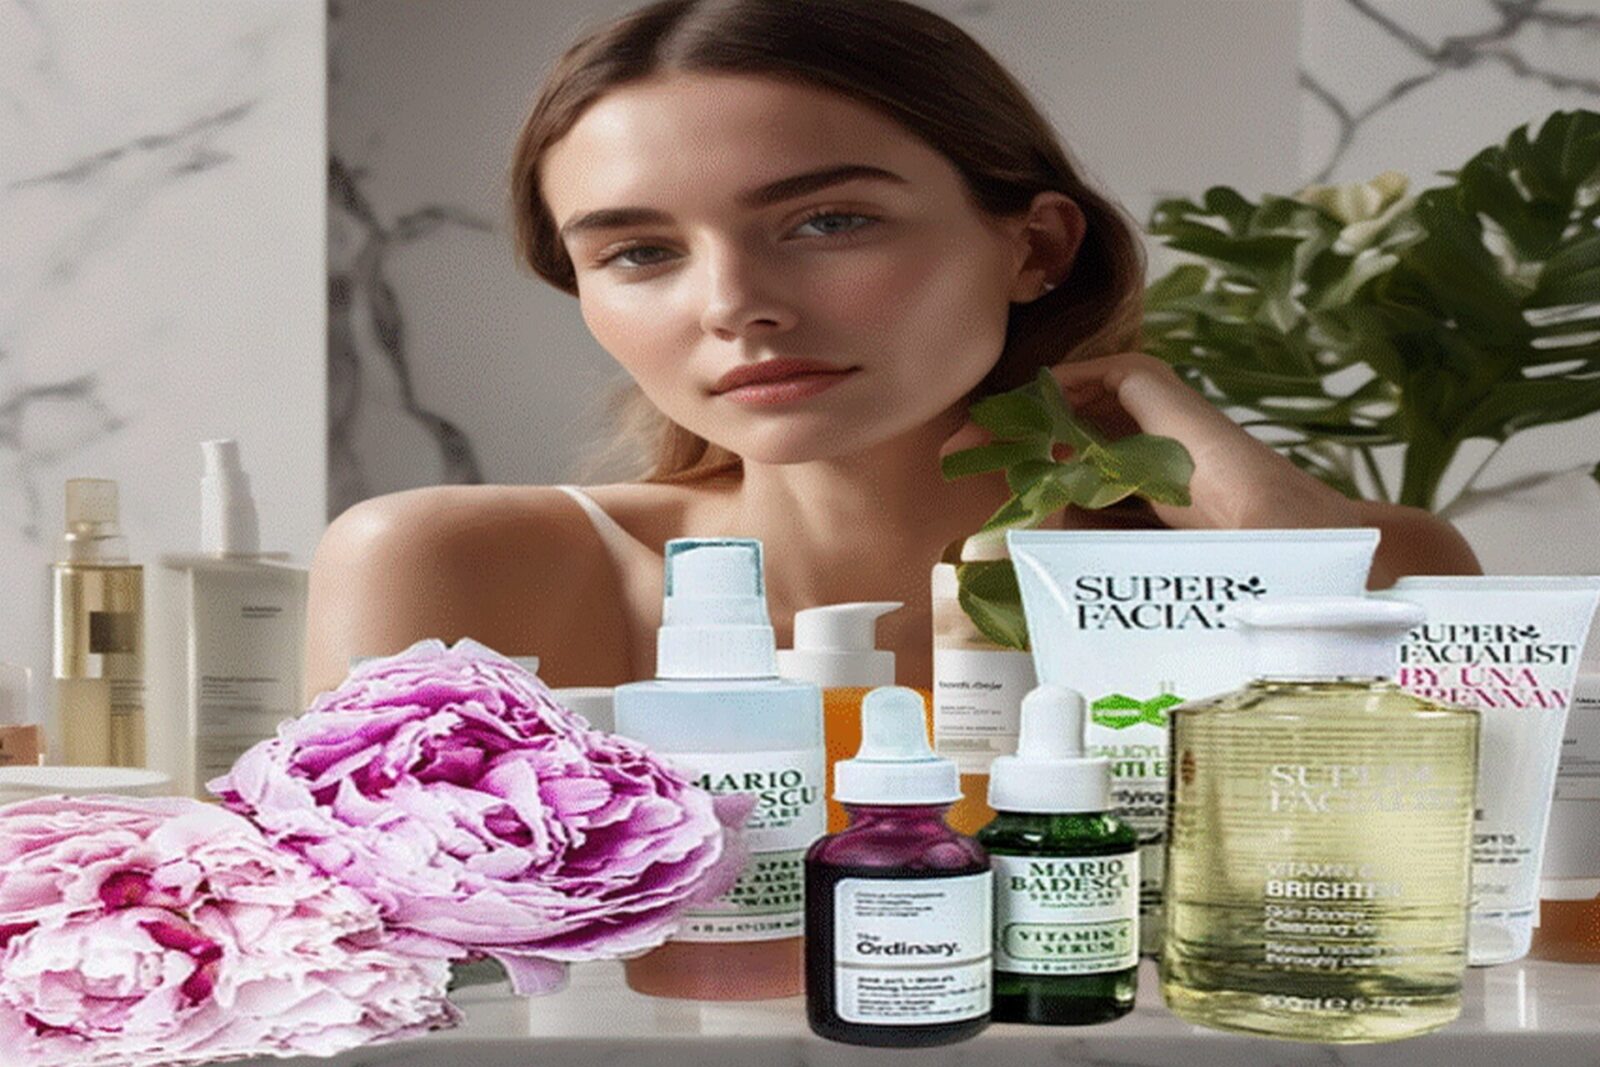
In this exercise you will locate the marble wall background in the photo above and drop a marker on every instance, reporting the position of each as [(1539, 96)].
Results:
[(161, 272), (488, 375)]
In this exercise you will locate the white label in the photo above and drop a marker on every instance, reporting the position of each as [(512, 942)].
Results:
[(1578, 777), (245, 673), (768, 901), (977, 704), (910, 952), (1055, 915)]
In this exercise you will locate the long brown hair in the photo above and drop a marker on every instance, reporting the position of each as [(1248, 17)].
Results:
[(909, 63)]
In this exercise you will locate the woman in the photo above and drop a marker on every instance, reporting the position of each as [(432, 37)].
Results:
[(812, 233)]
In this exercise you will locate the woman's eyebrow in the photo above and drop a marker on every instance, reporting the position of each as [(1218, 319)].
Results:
[(610, 218)]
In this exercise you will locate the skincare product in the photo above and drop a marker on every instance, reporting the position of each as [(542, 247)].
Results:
[(21, 742), (898, 906), (1139, 621), (98, 657), (978, 685), (1569, 911), (594, 703), (1320, 857), (227, 635), (1509, 647), (835, 647), (719, 710), (1066, 875)]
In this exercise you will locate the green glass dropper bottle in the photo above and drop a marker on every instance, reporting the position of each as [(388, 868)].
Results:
[(1066, 870)]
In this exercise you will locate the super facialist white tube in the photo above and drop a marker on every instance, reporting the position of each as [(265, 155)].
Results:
[(1138, 621), (1509, 647)]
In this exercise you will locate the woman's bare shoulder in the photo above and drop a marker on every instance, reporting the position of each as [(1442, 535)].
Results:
[(505, 565)]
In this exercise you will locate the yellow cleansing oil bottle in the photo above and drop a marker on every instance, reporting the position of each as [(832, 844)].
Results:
[(1321, 832)]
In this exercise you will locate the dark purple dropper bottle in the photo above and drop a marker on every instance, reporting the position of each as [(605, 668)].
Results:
[(898, 905)]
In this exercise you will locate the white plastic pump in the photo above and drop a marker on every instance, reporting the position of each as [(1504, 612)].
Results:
[(835, 646), (894, 764), (714, 621), (1051, 772), (229, 523)]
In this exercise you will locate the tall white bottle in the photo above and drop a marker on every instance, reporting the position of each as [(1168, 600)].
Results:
[(227, 635), (718, 710)]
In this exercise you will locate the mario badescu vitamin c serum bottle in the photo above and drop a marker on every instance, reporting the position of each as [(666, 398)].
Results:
[(1320, 847), (718, 709), (98, 662), (1066, 875), (898, 905)]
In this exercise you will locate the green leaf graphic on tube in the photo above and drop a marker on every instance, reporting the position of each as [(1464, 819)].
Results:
[(1028, 424), (1119, 711)]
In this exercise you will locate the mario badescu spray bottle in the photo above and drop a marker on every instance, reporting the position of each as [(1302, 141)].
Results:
[(718, 709)]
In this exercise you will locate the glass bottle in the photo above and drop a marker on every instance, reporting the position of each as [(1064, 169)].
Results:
[(1320, 836), (1066, 873), (898, 905)]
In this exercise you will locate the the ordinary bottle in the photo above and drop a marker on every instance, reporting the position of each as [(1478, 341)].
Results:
[(1066, 875), (98, 662), (1321, 834), (718, 709), (898, 905), (835, 646)]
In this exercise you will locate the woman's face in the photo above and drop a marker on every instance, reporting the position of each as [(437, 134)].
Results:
[(783, 271)]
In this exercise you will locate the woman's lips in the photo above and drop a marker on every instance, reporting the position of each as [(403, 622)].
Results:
[(777, 382)]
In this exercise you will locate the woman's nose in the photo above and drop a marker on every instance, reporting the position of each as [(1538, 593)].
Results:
[(742, 297)]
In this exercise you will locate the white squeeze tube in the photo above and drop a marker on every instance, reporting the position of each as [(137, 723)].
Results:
[(1138, 622), (1509, 647)]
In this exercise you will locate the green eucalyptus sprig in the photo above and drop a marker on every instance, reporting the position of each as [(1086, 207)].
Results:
[(1028, 425)]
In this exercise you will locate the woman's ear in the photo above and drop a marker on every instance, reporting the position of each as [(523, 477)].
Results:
[(1047, 238)]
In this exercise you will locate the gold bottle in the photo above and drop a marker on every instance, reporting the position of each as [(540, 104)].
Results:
[(98, 662), (1319, 856)]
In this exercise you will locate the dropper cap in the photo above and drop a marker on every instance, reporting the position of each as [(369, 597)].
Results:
[(1051, 772), (714, 620), (1320, 638), (92, 534), (229, 523), (894, 764), (836, 646)]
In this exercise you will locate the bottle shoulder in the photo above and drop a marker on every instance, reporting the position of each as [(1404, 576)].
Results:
[(1293, 699), (1058, 834)]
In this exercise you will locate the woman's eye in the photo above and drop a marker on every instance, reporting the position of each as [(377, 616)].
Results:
[(637, 256), (837, 222)]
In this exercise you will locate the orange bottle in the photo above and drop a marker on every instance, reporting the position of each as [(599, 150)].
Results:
[(835, 647)]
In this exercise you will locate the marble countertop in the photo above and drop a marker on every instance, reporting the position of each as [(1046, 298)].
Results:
[(1530, 1014)]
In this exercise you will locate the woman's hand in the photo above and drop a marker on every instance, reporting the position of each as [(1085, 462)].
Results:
[(1238, 481)]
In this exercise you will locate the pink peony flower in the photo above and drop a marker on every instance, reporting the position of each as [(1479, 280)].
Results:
[(167, 931), (448, 786)]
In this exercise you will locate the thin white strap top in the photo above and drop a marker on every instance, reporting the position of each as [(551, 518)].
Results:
[(618, 541)]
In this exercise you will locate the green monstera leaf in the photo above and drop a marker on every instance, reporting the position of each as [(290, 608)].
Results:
[(1345, 323), (1028, 424)]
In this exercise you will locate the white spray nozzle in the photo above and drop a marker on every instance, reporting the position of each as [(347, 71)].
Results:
[(895, 764), (1050, 771), (714, 614), (836, 646), (229, 524)]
